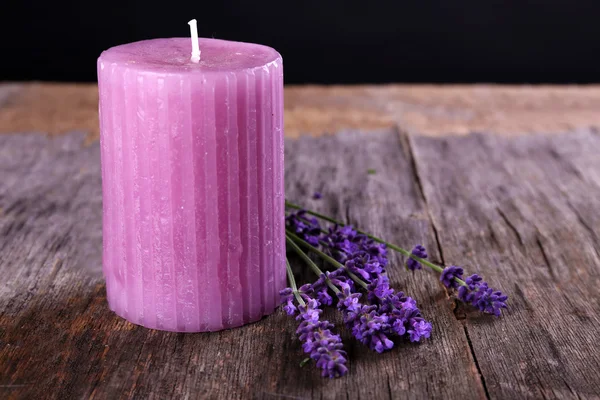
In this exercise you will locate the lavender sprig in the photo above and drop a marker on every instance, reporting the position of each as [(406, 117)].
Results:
[(418, 251), (449, 276), (480, 295), (375, 238), (323, 346), (475, 291)]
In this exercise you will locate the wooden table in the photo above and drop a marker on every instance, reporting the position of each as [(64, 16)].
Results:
[(502, 180)]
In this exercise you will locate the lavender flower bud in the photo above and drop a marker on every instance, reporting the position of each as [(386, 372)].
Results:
[(419, 329), (365, 322), (287, 296), (448, 275), (418, 251), (479, 295), (323, 346), (305, 226), (404, 316), (379, 290), (323, 296), (344, 243)]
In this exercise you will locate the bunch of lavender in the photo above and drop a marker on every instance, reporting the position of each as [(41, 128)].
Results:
[(367, 258), (360, 260), (385, 314)]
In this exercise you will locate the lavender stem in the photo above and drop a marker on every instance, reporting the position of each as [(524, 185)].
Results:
[(310, 262), (292, 281), (326, 257), (375, 238)]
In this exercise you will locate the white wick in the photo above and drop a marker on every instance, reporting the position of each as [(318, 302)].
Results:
[(195, 46)]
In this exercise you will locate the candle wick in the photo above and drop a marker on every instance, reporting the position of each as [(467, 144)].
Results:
[(195, 46)]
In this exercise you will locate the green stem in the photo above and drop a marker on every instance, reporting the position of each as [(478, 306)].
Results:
[(310, 262), (290, 276), (375, 238), (303, 362), (326, 257)]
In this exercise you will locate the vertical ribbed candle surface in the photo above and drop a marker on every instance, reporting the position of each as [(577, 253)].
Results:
[(192, 172)]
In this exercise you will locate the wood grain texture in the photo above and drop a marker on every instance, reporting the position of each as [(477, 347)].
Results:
[(522, 211), (434, 110), (388, 203)]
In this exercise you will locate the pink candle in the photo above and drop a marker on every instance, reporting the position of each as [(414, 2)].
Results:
[(192, 174)]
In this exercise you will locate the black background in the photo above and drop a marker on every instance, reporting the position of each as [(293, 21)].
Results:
[(322, 41)]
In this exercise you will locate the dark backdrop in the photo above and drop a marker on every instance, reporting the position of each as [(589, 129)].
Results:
[(322, 41)]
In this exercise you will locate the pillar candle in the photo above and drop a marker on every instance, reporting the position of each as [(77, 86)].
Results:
[(192, 179)]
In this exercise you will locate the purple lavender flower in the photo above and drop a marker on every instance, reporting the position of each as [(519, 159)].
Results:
[(480, 295), (344, 244), (349, 301), (379, 292), (323, 296), (369, 327), (404, 315), (340, 242), (317, 195), (379, 289), (373, 267), (377, 251), (419, 329), (287, 296), (338, 277), (362, 266), (448, 275), (492, 301), (305, 226), (381, 343), (366, 323), (323, 346), (418, 251)]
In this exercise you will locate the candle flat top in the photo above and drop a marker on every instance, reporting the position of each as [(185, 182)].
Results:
[(173, 56)]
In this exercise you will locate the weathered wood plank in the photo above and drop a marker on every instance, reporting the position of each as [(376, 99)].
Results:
[(59, 340), (524, 213)]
